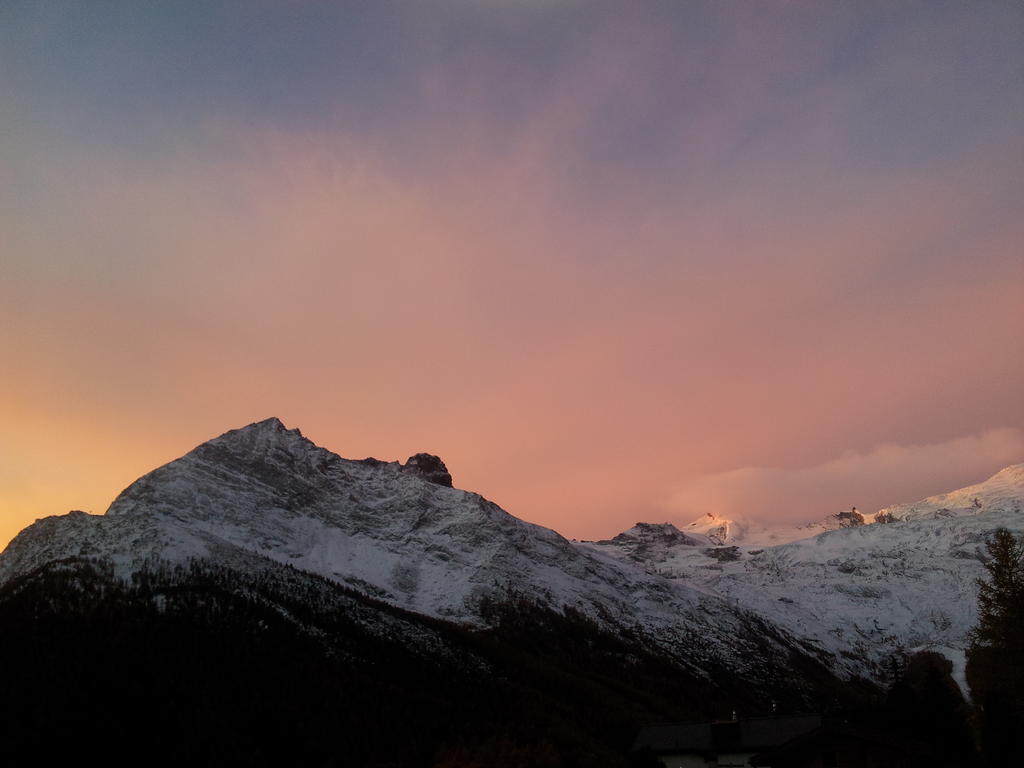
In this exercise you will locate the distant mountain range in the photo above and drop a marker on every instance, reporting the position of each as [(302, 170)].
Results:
[(861, 587)]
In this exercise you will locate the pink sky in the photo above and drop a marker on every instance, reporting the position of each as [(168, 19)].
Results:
[(769, 315)]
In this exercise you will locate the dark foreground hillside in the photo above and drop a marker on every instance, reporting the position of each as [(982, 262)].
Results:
[(206, 665)]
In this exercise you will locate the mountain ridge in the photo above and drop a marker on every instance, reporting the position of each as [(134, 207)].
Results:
[(903, 580), (849, 597), (267, 492)]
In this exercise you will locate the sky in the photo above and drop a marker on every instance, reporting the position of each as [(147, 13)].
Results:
[(611, 261)]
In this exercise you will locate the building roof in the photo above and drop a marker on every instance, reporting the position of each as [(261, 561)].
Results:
[(829, 731), (744, 734)]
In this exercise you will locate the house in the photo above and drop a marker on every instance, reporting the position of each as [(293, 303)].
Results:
[(841, 744), (721, 744)]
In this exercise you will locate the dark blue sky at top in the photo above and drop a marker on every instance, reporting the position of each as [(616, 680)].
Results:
[(778, 102), (408, 75), (113, 69)]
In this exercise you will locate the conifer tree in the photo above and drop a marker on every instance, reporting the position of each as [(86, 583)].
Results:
[(1001, 595), (995, 659)]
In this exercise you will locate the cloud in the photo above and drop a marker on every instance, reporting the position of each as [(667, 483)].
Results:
[(887, 475), (387, 310), (580, 259)]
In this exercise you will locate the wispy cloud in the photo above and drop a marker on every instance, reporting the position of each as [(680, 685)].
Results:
[(889, 474), (581, 258)]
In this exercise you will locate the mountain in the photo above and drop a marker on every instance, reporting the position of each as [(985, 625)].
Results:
[(203, 664), (278, 603), (262, 601), (711, 530), (1002, 493), (718, 593), (265, 495), (864, 591)]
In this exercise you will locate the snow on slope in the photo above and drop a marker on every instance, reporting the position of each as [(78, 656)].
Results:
[(1001, 492), (402, 534), (862, 592), (268, 490), (715, 530), (385, 529), (710, 535)]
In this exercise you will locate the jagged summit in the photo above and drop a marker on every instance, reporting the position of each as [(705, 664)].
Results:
[(401, 533), (429, 467), (266, 458), (260, 435), (847, 518), (266, 428), (649, 534), (264, 495), (647, 543), (266, 489), (271, 424)]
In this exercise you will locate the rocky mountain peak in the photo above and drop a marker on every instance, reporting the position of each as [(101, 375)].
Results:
[(259, 434), (264, 460), (651, 533), (717, 529), (272, 424), (850, 519), (428, 467), (264, 494)]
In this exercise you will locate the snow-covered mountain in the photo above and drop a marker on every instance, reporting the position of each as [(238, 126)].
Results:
[(1003, 492), (397, 532), (862, 590), (715, 530), (843, 591)]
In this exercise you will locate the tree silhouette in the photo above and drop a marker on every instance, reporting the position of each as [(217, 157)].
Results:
[(995, 659), (1001, 595)]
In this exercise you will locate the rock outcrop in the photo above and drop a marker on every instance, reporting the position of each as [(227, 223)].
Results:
[(428, 467)]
